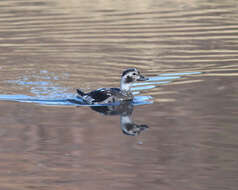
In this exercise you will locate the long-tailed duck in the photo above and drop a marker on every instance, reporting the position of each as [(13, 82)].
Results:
[(111, 95)]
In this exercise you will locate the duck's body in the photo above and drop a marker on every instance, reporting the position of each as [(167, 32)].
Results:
[(110, 95), (105, 96)]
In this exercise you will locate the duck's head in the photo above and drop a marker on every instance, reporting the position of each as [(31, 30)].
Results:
[(129, 76)]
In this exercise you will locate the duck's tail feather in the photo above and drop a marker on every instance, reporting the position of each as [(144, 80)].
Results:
[(80, 92)]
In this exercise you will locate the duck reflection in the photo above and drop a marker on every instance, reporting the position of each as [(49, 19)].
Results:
[(125, 111)]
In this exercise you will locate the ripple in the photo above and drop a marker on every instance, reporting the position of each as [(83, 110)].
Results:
[(70, 101), (48, 48), (94, 43)]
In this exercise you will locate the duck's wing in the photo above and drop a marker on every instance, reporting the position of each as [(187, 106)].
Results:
[(102, 94)]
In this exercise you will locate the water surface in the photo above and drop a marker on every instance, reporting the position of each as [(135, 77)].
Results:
[(187, 48)]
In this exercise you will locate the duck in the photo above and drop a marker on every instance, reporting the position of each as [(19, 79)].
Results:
[(113, 95)]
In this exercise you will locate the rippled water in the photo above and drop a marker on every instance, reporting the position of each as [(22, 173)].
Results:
[(180, 132)]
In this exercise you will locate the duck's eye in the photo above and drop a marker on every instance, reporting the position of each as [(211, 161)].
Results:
[(134, 73)]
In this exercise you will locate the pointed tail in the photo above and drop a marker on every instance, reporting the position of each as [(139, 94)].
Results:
[(80, 92)]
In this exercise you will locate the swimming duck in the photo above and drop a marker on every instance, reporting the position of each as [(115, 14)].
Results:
[(110, 95)]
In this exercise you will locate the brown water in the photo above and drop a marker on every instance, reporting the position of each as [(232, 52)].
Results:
[(49, 48)]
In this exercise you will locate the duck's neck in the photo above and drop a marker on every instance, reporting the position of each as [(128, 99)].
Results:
[(125, 86)]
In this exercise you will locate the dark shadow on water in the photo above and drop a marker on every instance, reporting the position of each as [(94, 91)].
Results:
[(125, 111)]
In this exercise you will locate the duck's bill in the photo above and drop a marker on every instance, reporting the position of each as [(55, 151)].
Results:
[(142, 78)]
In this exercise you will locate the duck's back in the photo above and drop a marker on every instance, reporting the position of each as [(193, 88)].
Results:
[(107, 95)]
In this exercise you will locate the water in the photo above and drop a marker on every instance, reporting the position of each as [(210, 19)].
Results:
[(183, 121)]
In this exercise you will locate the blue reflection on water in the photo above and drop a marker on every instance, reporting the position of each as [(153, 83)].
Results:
[(73, 101), (143, 87), (27, 83), (180, 74), (31, 99), (159, 78)]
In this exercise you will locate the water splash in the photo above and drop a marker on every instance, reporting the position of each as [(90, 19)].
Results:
[(43, 84)]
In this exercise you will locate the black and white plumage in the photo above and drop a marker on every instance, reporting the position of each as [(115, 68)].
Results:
[(110, 95), (105, 95)]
